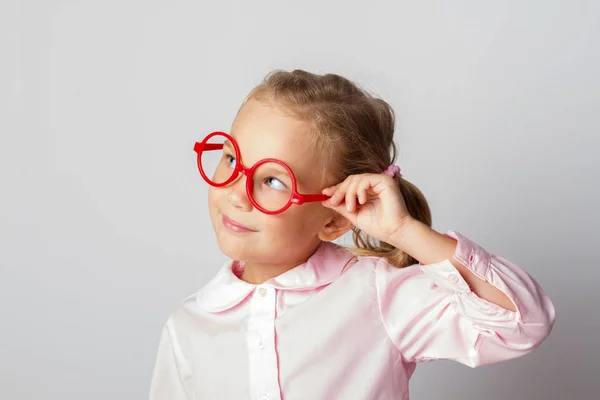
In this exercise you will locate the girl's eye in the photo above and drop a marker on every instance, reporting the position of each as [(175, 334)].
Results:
[(231, 161), (275, 183)]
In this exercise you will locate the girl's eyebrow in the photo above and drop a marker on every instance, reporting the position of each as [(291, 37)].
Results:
[(278, 171), (228, 144)]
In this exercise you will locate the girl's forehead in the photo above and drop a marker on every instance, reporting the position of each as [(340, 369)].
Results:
[(296, 150), (264, 131)]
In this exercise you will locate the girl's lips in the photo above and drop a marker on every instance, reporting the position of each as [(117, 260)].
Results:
[(235, 226)]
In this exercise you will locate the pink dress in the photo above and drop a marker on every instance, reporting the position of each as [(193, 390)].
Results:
[(342, 327)]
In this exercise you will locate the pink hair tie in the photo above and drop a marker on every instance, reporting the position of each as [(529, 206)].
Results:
[(393, 170)]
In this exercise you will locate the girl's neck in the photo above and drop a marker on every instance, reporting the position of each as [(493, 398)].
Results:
[(257, 274)]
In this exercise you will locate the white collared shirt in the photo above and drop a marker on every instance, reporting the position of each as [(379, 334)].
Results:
[(342, 327)]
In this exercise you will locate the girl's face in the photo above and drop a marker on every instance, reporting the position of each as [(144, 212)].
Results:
[(264, 131)]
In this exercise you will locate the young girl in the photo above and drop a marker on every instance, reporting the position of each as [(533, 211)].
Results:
[(294, 315)]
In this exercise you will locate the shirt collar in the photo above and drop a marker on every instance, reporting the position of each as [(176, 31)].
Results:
[(226, 290)]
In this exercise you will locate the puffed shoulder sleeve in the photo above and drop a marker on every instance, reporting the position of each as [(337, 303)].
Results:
[(430, 312)]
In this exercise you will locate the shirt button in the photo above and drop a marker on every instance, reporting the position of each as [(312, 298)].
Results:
[(262, 292), (261, 344), (454, 278), (264, 397)]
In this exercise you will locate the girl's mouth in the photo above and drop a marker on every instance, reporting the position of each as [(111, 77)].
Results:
[(235, 226)]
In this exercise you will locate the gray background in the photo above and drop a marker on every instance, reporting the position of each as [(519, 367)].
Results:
[(103, 215)]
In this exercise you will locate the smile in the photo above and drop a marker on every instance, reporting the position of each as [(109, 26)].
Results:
[(235, 226)]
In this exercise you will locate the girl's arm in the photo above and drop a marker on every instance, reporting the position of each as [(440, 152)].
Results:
[(429, 247), (460, 302), (431, 312)]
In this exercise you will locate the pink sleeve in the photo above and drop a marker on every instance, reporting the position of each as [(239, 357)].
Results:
[(170, 370), (430, 312)]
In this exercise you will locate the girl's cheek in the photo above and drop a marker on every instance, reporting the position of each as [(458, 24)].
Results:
[(213, 193)]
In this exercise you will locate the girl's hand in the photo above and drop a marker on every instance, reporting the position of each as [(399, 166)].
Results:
[(371, 202)]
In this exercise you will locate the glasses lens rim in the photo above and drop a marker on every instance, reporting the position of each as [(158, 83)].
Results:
[(203, 150), (253, 182)]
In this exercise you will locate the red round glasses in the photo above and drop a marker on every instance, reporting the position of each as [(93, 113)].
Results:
[(271, 184)]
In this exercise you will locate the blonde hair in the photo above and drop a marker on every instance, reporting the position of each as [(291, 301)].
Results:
[(355, 129)]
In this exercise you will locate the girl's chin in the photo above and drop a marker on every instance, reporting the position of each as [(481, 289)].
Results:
[(248, 253), (236, 250)]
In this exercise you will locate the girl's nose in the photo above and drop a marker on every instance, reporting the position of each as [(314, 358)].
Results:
[(237, 196)]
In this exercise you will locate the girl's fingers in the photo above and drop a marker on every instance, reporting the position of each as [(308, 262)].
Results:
[(340, 192), (357, 191), (335, 196), (352, 188), (351, 195), (330, 191), (362, 191)]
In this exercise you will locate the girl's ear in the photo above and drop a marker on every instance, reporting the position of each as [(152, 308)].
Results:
[(336, 227)]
